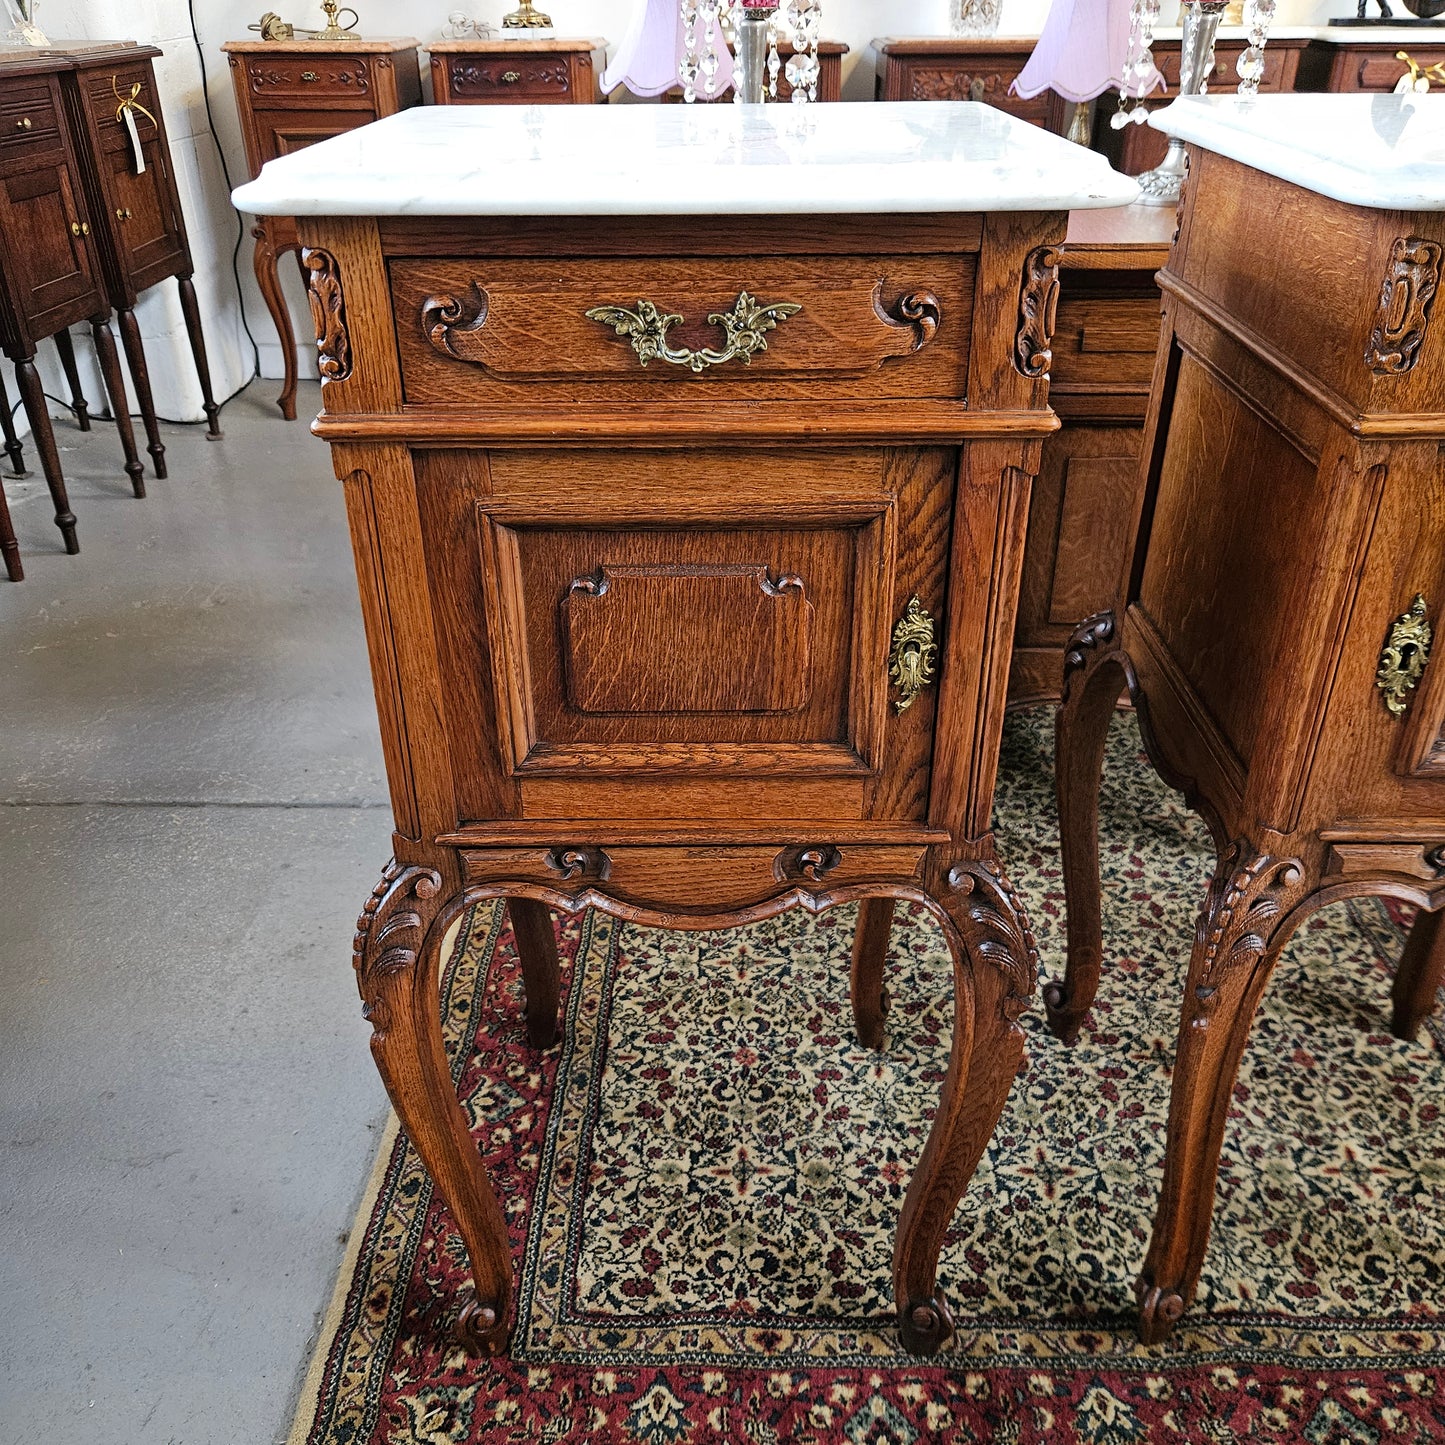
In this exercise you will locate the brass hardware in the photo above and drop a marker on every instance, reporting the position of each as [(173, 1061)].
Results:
[(23, 123), (309, 76), (122, 213), (914, 654), (524, 17), (273, 27), (511, 77), (745, 325), (85, 228), (976, 88), (1404, 655), (130, 102), (334, 29), (75, 228)]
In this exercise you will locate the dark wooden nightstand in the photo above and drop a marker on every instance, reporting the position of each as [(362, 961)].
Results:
[(517, 72), (291, 94)]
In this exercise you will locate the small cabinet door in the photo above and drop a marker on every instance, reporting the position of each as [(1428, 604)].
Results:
[(147, 223), (52, 262)]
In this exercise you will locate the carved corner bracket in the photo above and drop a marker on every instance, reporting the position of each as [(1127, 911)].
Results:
[(1407, 295), (390, 931), (1038, 309), (997, 930), (328, 313), (1091, 639)]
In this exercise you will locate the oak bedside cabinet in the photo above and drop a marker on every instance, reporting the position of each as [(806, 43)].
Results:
[(517, 72), (291, 94), (688, 469), (1288, 574), (961, 68)]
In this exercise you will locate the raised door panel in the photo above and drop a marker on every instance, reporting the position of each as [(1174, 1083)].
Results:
[(147, 223), (680, 623), (54, 268)]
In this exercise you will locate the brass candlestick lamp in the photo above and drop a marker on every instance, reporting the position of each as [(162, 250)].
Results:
[(526, 17), (335, 31)]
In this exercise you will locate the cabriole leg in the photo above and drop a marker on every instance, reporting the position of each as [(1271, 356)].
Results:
[(1095, 673), (865, 979), (268, 279), (537, 950), (1241, 932), (109, 359), (1418, 978), (398, 973), (994, 968)]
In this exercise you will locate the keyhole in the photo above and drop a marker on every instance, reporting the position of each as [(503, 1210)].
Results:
[(1407, 657)]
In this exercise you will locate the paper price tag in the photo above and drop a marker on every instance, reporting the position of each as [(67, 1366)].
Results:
[(128, 117)]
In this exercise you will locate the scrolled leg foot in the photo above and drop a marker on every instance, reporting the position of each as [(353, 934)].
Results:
[(925, 1326), (1063, 1020), (482, 1328), (1159, 1311)]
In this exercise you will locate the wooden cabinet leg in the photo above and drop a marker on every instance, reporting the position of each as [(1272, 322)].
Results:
[(1247, 920), (269, 280), (115, 387), (192, 312), (9, 547), (1095, 672), (66, 349), (541, 973), (994, 969), (33, 395), (13, 449), (397, 968), (135, 356), (865, 979), (1419, 975)]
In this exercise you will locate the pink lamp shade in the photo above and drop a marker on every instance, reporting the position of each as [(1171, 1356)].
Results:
[(1081, 52), (650, 53)]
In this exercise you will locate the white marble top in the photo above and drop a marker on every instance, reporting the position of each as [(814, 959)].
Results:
[(1384, 151), (585, 160)]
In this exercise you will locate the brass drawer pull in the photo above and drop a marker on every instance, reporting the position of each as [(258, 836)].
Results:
[(744, 326), (1404, 655), (122, 213), (511, 77), (309, 75), (914, 654), (23, 123), (80, 228)]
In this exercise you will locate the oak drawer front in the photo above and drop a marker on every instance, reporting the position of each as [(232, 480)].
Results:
[(473, 332), (1225, 74), (300, 82), (987, 80), (1380, 70), (99, 92), (29, 118), (1105, 340), (506, 80), (654, 630)]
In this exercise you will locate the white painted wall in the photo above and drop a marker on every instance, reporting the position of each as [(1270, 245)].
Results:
[(213, 224)]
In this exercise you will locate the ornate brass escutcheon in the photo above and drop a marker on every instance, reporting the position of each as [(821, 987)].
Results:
[(744, 327), (1404, 655), (914, 654)]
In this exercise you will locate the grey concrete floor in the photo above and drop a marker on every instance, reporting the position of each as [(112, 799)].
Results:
[(193, 812)]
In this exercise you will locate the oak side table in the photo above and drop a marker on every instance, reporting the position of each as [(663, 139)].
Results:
[(1289, 568), (688, 475), (517, 72), (291, 94)]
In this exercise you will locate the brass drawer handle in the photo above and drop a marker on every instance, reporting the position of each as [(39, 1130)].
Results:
[(80, 228), (511, 77), (1404, 655), (745, 328), (23, 123), (122, 213), (914, 654), (309, 75)]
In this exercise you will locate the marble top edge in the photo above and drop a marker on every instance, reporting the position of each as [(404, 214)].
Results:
[(842, 158), (1386, 152)]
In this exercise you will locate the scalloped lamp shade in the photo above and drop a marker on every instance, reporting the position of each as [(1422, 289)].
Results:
[(1081, 51), (650, 53)]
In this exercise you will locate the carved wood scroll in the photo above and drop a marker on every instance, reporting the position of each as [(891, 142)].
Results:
[(1038, 308), (1406, 297), (451, 323), (665, 638), (328, 314), (918, 313)]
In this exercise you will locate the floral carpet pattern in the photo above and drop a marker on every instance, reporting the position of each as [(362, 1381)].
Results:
[(703, 1178)]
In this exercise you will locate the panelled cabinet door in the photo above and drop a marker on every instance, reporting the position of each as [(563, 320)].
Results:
[(53, 266), (663, 633), (146, 217)]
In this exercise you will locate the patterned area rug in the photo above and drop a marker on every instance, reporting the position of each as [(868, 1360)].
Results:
[(703, 1181)]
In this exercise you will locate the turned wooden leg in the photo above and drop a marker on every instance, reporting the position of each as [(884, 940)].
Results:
[(1095, 673), (120, 408), (994, 968), (192, 312), (13, 449), (33, 395), (135, 356), (865, 979), (398, 973), (1419, 976), (9, 547), (537, 949), (269, 280), (66, 349), (1245, 923)]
